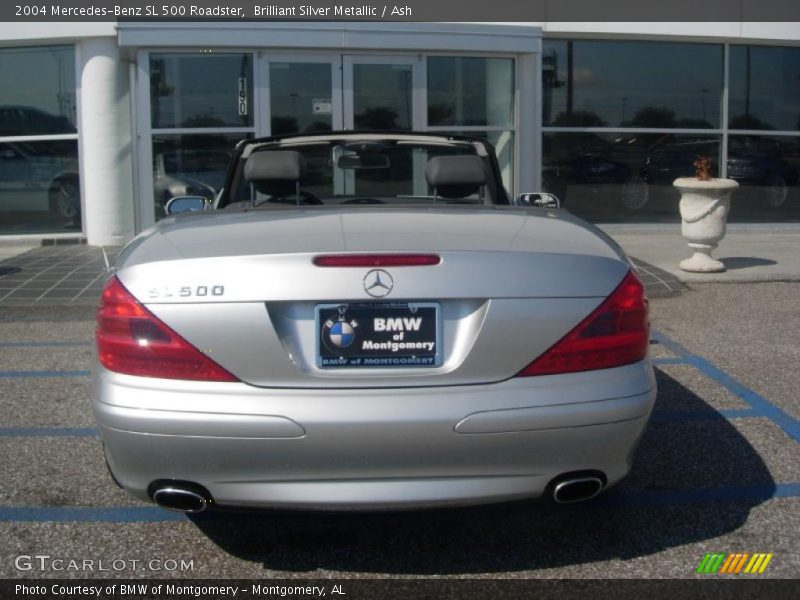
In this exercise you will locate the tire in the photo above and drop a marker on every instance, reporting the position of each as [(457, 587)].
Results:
[(65, 198), (777, 191), (635, 193)]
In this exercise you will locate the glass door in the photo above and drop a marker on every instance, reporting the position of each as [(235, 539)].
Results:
[(383, 93), (304, 94)]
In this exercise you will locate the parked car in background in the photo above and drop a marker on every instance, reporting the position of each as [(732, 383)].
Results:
[(28, 120), (402, 335), (591, 169), (751, 163), (187, 173), (37, 176), (759, 163)]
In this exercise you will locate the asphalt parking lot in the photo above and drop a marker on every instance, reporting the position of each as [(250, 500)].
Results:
[(718, 470)]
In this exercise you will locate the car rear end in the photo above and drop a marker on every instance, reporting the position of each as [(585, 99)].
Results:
[(330, 359)]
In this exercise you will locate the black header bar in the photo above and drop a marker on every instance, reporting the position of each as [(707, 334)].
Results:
[(407, 10), (398, 589)]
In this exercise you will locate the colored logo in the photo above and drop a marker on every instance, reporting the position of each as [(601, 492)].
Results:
[(739, 563), (378, 283), (340, 333)]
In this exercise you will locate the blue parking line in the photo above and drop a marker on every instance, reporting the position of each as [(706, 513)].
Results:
[(88, 514), (613, 499), (669, 361), (47, 432), (670, 345), (28, 374), (764, 407), (40, 344)]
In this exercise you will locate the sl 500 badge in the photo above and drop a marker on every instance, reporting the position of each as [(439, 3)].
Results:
[(187, 291)]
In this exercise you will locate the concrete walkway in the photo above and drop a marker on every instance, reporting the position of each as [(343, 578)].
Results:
[(750, 252), (12, 249), (54, 275)]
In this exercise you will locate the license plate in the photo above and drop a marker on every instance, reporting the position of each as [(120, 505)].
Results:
[(378, 335)]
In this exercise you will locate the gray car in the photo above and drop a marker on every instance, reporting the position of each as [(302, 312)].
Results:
[(393, 332)]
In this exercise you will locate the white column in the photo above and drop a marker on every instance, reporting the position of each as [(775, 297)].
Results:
[(529, 127), (105, 143)]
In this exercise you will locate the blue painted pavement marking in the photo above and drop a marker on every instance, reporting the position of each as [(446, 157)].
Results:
[(48, 431), (669, 361), (764, 407), (24, 374), (614, 499), (670, 345), (89, 514)]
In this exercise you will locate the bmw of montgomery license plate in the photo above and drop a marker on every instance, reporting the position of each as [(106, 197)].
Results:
[(378, 335)]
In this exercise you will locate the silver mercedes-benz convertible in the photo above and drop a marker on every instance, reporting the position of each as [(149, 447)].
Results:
[(368, 321)]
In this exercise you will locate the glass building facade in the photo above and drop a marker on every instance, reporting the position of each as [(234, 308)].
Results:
[(200, 105), (623, 119), (39, 180), (610, 126)]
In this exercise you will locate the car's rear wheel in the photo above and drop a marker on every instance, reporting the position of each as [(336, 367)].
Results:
[(635, 193), (65, 198), (777, 191)]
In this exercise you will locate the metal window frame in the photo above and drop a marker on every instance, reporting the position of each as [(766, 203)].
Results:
[(57, 137), (723, 131), (339, 58), (144, 211)]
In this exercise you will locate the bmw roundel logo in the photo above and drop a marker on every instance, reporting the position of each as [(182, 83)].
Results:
[(340, 333)]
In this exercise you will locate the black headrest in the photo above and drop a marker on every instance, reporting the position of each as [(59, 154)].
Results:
[(456, 176), (463, 170), (275, 166)]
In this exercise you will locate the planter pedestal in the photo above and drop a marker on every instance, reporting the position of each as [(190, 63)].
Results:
[(704, 213)]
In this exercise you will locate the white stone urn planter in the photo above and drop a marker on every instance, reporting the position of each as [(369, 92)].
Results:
[(704, 210)]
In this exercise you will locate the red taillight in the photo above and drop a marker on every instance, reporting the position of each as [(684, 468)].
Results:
[(131, 340), (377, 260), (616, 333)]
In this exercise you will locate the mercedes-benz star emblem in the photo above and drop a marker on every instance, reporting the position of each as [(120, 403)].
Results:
[(378, 283)]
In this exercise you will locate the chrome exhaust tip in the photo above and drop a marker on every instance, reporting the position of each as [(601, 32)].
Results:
[(180, 499), (577, 489)]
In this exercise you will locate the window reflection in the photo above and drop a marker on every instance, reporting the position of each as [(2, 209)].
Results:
[(628, 177), (38, 95), (382, 97), (300, 97), (39, 187), (189, 90), (768, 170), (622, 176), (470, 91), (589, 83), (189, 165), (764, 88)]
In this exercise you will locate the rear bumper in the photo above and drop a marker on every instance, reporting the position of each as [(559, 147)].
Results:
[(369, 448)]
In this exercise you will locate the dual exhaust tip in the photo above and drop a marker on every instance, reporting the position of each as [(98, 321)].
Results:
[(572, 488), (186, 498)]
